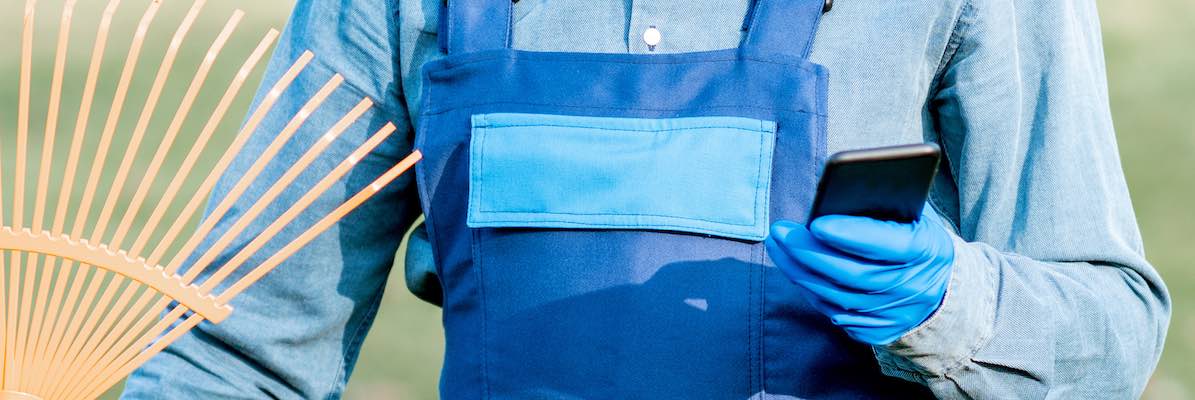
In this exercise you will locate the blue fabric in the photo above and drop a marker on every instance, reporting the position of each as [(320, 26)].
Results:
[(477, 25), (1048, 254), (562, 312), (877, 280), (701, 174)]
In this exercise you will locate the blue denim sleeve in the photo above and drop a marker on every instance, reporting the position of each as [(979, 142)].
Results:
[(1051, 294), (297, 333)]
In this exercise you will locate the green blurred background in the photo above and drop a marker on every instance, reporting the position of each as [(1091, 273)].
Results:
[(1150, 49)]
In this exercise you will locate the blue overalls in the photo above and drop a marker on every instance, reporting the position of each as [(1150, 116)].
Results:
[(596, 219)]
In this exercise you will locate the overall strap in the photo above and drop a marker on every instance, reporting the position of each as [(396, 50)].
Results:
[(475, 25), (783, 27)]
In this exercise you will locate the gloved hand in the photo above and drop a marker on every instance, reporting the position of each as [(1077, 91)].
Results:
[(876, 279)]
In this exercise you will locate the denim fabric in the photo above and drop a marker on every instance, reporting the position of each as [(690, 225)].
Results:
[(1051, 294)]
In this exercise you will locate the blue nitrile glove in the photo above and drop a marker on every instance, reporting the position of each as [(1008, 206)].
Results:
[(875, 279)]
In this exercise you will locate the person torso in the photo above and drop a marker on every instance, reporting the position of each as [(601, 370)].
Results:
[(596, 218)]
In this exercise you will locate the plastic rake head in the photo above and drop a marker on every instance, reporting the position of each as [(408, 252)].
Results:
[(76, 314)]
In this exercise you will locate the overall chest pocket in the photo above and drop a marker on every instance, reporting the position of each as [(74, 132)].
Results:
[(619, 256), (704, 175)]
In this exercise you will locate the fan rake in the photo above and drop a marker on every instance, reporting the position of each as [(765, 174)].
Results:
[(83, 305)]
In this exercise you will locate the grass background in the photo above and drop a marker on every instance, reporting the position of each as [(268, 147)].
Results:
[(1150, 49)]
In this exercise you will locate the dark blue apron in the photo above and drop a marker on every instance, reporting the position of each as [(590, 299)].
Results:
[(596, 219)]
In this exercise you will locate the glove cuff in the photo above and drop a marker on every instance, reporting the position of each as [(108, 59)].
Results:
[(956, 331)]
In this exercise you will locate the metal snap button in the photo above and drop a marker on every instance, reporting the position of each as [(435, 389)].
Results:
[(651, 37)]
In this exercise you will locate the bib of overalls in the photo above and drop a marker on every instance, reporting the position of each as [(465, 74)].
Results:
[(597, 219)]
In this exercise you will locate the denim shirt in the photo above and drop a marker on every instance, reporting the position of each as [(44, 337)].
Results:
[(1051, 294)]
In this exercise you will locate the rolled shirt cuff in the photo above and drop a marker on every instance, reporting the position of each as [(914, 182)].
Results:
[(957, 330)]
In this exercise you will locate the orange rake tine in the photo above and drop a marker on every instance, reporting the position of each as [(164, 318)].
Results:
[(118, 102), (43, 185), (99, 323), (301, 205), (94, 350), (200, 143), (193, 205), (94, 390), (184, 109), (110, 125), (294, 246), (276, 189), (119, 97), (78, 309), (210, 221), (251, 125), (321, 226), (79, 135), (85, 108), (15, 333)]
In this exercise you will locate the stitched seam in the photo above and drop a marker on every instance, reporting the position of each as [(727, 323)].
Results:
[(484, 126), (955, 41), (647, 60), (752, 29), (763, 293), (354, 346), (453, 108), (601, 128), (758, 181), (750, 337), (453, 38), (485, 312), (952, 46), (628, 214), (571, 224), (812, 34), (506, 33), (981, 341)]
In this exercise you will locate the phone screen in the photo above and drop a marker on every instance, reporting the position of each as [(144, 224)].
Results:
[(887, 183)]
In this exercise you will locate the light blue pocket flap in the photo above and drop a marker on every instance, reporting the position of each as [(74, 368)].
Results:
[(708, 175)]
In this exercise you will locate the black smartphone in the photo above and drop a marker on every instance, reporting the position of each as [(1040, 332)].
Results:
[(887, 183)]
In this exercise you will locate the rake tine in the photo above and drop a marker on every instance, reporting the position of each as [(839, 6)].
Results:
[(122, 326), (18, 200), (210, 221), (80, 131), (15, 329), (3, 286), (78, 327), (3, 310), (126, 366), (43, 185), (297, 168), (94, 331), (197, 147), (123, 332), (56, 306), (143, 341), (293, 212), (93, 390), (246, 131), (113, 114), (85, 108), (68, 307), (126, 164), (68, 10), (321, 226), (267, 104), (118, 102), (113, 117)]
